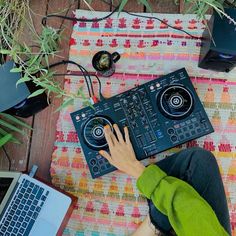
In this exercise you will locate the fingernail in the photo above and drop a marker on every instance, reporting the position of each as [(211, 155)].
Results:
[(100, 152), (106, 126)]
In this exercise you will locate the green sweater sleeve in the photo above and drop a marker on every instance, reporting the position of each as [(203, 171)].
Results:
[(189, 214)]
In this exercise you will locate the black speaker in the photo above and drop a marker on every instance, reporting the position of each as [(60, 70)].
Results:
[(14, 99), (218, 52)]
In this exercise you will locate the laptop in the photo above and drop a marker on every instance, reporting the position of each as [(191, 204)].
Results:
[(30, 207)]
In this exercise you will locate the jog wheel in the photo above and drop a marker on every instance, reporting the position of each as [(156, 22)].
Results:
[(93, 132), (175, 102)]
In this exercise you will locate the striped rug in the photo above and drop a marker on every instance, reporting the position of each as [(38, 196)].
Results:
[(112, 205)]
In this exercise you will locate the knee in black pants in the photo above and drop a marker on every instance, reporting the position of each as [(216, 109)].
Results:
[(199, 160), (198, 154)]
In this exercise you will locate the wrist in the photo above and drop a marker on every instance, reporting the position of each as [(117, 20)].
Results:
[(138, 169)]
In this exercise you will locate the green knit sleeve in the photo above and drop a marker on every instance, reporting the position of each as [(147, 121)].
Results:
[(189, 214)]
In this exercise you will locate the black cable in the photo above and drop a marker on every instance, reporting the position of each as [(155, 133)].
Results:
[(110, 14), (111, 5), (100, 87), (65, 15), (99, 82), (82, 69), (8, 158), (44, 19), (156, 18)]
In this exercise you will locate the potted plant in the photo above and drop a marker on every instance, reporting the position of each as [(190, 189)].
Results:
[(32, 57)]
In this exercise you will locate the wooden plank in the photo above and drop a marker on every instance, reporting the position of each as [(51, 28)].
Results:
[(164, 6), (19, 153), (131, 6), (97, 5), (184, 7), (45, 122), (181, 6)]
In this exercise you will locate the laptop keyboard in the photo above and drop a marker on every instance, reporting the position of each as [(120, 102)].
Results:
[(24, 209)]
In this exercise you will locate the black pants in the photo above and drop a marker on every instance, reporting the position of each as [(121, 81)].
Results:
[(198, 168)]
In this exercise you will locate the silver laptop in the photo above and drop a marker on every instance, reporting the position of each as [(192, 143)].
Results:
[(30, 207)]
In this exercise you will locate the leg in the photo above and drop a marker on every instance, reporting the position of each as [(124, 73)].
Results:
[(146, 228), (199, 168)]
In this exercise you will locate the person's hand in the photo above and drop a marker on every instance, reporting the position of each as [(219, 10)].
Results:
[(122, 154)]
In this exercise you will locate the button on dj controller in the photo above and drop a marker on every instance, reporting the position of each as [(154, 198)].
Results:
[(160, 114), (170, 131)]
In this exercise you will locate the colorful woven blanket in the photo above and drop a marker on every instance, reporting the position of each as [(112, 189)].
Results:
[(112, 205)]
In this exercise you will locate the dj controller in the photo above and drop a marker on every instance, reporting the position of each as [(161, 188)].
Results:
[(159, 114)]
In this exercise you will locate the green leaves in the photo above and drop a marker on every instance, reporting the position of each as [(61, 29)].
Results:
[(16, 69), (15, 120), (10, 125), (198, 7), (5, 139), (146, 4), (49, 40), (201, 7), (122, 5), (5, 52), (36, 93), (66, 103), (22, 80)]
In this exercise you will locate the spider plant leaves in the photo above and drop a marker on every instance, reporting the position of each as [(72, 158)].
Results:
[(16, 69), (5, 51), (5, 139), (49, 40), (122, 5), (66, 103), (23, 79), (13, 139), (11, 127), (36, 93), (80, 93), (15, 120), (146, 4)]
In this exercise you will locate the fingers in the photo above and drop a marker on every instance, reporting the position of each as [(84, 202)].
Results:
[(127, 140), (105, 155), (111, 138), (118, 133), (109, 135), (107, 132)]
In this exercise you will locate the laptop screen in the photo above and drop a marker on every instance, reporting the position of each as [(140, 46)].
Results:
[(8, 181), (5, 184)]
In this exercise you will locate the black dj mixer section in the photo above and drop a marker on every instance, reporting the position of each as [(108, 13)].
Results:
[(160, 114)]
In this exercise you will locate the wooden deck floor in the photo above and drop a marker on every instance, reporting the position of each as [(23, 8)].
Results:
[(37, 148)]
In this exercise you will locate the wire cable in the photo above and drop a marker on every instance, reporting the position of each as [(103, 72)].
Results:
[(92, 75), (100, 87), (156, 18), (152, 17), (84, 73), (44, 19), (8, 158)]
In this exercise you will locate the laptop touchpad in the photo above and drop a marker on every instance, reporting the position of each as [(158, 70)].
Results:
[(43, 227)]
